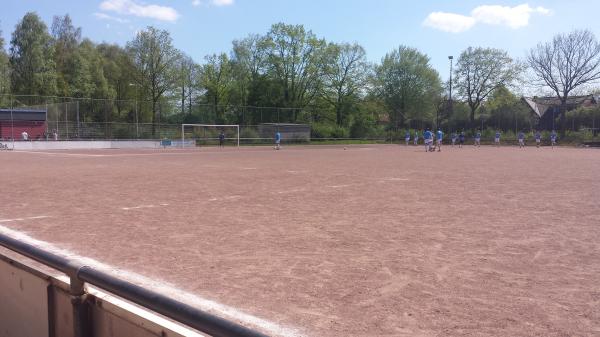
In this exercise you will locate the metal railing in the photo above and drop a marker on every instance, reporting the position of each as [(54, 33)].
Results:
[(166, 306)]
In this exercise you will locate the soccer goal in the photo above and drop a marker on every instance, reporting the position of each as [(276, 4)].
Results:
[(208, 134)]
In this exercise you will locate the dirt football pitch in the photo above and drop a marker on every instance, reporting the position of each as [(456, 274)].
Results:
[(373, 240)]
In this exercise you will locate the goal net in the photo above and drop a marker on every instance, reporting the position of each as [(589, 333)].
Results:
[(206, 134)]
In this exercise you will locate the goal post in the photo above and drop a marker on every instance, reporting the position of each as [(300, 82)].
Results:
[(209, 133)]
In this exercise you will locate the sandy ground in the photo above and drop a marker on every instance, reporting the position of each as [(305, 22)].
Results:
[(370, 241)]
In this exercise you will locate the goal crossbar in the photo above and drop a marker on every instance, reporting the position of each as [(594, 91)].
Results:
[(236, 126)]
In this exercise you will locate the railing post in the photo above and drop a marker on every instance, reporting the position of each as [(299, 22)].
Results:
[(81, 314)]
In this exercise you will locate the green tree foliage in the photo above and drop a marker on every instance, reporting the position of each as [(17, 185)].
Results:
[(88, 73), (295, 62), (216, 79), (154, 58), (479, 71), (31, 58), (344, 76), (4, 70), (505, 111), (66, 39), (249, 60), (119, 72), (188, 73), (408, 85), (287, 74)]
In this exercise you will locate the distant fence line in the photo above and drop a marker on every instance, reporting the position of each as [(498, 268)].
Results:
[(96, 118), (61, 108)]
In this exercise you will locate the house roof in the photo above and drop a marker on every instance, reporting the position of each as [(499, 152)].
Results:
[(541, 105), (22, 115)]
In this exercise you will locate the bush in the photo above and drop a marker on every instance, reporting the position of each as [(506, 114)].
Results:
[(340, 132), (251, 133), (319, 130), (364, 126)]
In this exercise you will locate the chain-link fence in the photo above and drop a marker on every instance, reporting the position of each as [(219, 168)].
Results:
[(71, 118)]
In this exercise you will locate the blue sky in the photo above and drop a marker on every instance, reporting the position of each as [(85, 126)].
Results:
[(438, 28)]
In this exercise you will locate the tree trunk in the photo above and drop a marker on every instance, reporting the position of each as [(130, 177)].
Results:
[(563, 117), (153, 117)]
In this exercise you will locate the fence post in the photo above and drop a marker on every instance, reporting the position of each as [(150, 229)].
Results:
[(12, 123), (78, 131), (81, 320), (67, 120), (137, 127)]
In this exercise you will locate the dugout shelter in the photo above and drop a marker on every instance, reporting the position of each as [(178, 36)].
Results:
[(14, 121)]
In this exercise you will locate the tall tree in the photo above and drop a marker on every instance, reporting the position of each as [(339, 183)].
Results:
[(216, 80), (66, 40), (295, 59), (249, 61), (154, 58), (345, 74), (119, 72), (408, 85), (480, 71), (506, 110), (186, 82), (4, 70), (31, 58), (568, 62)]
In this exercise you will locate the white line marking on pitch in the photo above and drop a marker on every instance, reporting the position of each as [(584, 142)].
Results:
[(25, 219), (339, 186), (293, 172), (292, 191), (143, 206), (103, 155), (231, 197), (162, 287), (249, 168)]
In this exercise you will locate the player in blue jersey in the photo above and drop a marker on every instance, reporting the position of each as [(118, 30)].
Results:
[(407, 137), (497, 138), (439, 137), (277, 140), (521, 138), (553, 138), (428, 137), (477, 139), (538, 138), (461, 139)]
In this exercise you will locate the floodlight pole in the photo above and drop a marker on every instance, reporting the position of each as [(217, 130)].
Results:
[(450, 87)]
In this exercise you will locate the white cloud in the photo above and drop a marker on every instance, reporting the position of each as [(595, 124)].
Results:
[(103, 16), (131, 7), (222, 2), (513, 17), (217, 3), (449, 22)]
